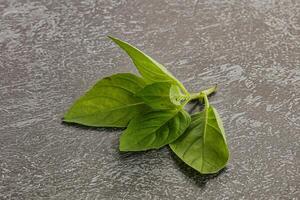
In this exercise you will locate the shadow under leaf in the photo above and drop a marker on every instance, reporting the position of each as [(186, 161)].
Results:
[(79, 126), (196, 104), (193, 105)]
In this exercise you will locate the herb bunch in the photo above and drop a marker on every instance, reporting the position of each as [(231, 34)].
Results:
[(151, 107)]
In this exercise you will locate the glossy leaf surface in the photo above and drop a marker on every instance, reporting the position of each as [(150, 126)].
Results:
[(203, 146), (111, 102), (154, 129)]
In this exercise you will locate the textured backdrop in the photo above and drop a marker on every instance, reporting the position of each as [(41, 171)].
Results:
[(52, 51)]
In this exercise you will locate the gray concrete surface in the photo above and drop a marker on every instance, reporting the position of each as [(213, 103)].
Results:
[(53, 51)]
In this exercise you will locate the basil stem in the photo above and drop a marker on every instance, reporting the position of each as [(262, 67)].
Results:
[(207, 92)]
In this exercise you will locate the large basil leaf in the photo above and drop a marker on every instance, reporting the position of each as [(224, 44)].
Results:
[(110, 103), (154, 129), (162, 95), (150, 69), (203, 146)]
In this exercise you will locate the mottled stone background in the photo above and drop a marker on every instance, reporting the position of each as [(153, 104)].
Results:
[(52, 51)]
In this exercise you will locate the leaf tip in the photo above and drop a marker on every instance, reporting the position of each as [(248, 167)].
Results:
[(124, 148), (67, 120), (121, 148), (112, 38), (121, 143), (65, 117)]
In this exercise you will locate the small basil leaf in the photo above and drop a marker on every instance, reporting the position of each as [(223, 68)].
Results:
[(154, 129), (203, 146), (176, 97), (110, 103), (161, 95), (150, 69)]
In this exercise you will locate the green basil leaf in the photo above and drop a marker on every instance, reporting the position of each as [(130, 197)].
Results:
[(203, 146), (161, 95), (154, 129), (150, 69), (110, 103)]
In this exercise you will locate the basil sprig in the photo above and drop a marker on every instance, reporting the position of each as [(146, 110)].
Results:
[(151, 107)]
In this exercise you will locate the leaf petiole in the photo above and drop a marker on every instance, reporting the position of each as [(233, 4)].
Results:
[(200, 95), (203, 96)]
